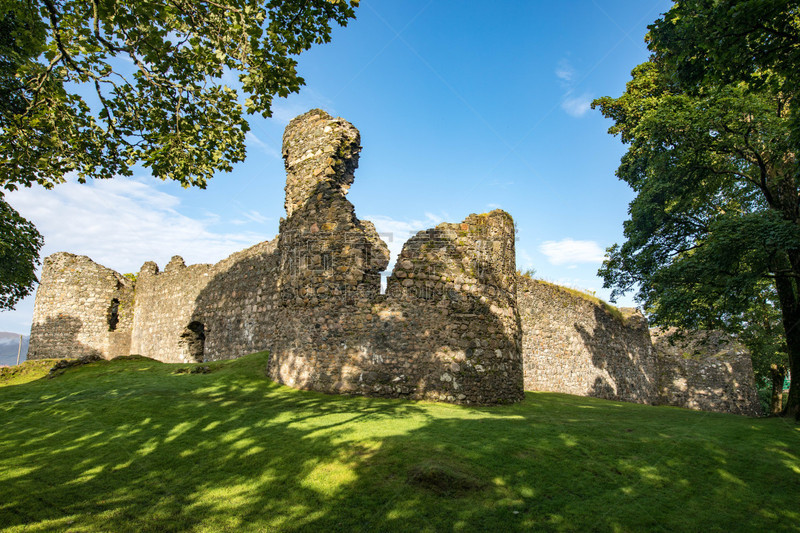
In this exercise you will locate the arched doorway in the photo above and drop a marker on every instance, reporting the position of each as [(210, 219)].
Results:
[(193, 340)]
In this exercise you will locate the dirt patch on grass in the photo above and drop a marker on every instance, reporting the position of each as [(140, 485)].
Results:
[(61, 366), (444, 478)]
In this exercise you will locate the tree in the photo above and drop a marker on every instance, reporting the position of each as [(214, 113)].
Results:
[(762, 333), (726, 41), (156, 71), (19, 252), (94, 87), (716, 210)]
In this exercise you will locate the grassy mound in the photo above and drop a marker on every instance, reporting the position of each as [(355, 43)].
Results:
[(25, 372), (137, 445)]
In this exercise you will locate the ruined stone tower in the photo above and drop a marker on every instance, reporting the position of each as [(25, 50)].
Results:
[(447, 329), (450, 326)]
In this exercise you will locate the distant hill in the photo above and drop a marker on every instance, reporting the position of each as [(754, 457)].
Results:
[(9, 344)]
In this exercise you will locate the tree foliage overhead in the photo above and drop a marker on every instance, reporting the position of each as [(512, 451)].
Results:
[(730, 40), (712, 160), (19, 252), (96, 86)]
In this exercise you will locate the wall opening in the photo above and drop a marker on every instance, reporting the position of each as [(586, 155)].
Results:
[(113, 315), (193, 339)]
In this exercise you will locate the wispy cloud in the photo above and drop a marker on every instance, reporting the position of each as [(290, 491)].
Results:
[(571, 252), (250, 216), (122, 223), (253, 140), (574, 105), (524, 259), (396, 232), (564, 71), (285, 109)]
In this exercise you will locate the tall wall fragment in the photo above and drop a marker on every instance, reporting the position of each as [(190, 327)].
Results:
[(456, 324), (81, 308), (575, 345)]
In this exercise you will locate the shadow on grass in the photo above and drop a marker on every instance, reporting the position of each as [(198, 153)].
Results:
[(132, 446)]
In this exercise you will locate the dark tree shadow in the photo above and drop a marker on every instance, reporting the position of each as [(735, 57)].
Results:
[(233, 451), (624, 354), (58, 338)]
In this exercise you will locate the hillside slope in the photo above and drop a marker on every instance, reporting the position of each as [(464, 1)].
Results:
[(137, 445)]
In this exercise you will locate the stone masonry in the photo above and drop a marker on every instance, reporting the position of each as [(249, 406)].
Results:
[(707, 371), (82, 308), (447, 328), (456, 323), (575, 345)]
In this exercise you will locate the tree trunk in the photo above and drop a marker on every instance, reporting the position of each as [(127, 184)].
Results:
[(778, 374), (790, 314)]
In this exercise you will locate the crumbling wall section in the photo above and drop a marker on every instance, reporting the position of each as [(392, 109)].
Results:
[(81, 308), (165, 304), (575, 345), (237, 307), (705, 370), (439, 333), (455, 288)]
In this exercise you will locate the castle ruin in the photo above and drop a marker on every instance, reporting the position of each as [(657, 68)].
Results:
[(456, 323)]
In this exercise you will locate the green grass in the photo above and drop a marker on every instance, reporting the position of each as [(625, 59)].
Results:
[(26, 372), (131, 445)]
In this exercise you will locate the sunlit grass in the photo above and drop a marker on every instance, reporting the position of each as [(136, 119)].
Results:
[(130, 445)]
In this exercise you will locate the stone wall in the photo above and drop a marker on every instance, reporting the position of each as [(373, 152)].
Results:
[(82, 308), (456, 323), (164, 308), (707, 371), (447, 329), (577, 345)]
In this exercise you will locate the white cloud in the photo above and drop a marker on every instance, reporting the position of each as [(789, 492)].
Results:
[(564, 71), (252, 139), (576, 106), (122, 223), (570, 252), (524, 259)]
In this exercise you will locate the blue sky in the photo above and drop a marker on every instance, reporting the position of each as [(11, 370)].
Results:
[(463, 107)]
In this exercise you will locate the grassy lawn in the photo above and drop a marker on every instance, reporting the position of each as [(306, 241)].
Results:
[(131, 445)]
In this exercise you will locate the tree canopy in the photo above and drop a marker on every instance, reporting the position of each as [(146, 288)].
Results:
[(19, 252), (92, 88), (712, 162)]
